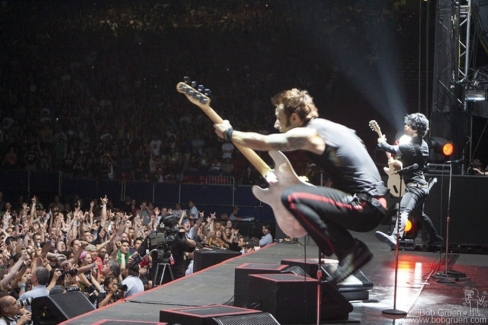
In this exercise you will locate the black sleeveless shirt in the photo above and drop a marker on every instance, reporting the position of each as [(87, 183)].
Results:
[(345, 160)]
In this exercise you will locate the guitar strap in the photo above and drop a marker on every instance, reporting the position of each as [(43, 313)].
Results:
[(417, 151)]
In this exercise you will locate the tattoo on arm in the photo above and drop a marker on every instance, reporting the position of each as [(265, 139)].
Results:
[(292, 143)]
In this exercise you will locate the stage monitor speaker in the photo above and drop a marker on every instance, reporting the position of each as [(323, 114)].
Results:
[(354, 287), (202, 315), (292, 299), (241, 278), (204, 258), (125, 322), (59, 308), (251, 319)]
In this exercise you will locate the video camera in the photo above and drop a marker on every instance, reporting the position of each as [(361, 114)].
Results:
[(165, 236)]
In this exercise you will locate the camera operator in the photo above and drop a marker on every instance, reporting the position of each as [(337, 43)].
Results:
[(12, 313), (172, 251)]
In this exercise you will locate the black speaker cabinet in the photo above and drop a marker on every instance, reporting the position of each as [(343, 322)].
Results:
[(292, 299), (125, 322), (241, 278), (201, 315), (60, 307), (250, 319), (354, 287), (208, 257)]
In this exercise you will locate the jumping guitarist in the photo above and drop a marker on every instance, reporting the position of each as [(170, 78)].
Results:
[(356, 201), (414, 155)]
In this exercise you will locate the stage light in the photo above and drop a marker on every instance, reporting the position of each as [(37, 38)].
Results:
[(408, 226), (474, 95), (441, 146), (410, 231)]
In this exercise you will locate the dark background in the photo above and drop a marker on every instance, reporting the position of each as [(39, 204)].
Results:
[(358, 59)]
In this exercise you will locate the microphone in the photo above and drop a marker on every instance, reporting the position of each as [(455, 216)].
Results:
[(457, 161), (411, 167)]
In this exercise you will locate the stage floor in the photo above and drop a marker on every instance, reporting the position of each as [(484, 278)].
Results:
[(420, 295)]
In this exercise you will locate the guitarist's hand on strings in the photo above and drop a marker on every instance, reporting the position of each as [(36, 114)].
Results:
[(222, 130)]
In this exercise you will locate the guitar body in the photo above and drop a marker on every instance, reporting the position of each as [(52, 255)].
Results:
[(272, 195), (395, 183)]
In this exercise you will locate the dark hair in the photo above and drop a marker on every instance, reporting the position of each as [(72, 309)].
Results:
[(9, 240), (133, 269), (108, 280), (124, 241), (418, 122)]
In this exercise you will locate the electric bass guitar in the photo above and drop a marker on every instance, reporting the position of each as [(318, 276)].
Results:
[(395, 183), (279, 178)]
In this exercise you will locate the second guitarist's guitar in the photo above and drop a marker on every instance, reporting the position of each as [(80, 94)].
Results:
[(395, 183), (279, 178)]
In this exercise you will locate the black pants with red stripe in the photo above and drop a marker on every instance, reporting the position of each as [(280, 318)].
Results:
[(327, 214)]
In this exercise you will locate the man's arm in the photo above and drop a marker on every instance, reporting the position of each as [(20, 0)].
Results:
[(383, 145), (297, 138)]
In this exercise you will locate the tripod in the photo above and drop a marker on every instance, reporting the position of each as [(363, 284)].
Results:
[(165, 264)]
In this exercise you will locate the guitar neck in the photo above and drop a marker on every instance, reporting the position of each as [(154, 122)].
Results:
[(388, 155), (250, 154)]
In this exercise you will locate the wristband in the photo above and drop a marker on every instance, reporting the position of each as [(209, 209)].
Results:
[(22, 285), (228, 134)]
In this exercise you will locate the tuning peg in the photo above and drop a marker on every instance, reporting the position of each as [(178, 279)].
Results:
[(204, 100), (193, 84), (186, 79), (200, 88), (208, 92)]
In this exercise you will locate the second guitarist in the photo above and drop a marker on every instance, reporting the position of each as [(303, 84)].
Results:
[(416, 151), (356, 201)]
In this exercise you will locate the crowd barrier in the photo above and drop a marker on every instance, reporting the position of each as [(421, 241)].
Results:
[(215, 195)]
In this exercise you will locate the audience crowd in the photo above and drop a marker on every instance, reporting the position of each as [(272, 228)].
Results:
[(104, 252), (88, 88)]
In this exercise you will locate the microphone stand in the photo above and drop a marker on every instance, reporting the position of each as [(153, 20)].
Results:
[(396, 313), (319, 268)]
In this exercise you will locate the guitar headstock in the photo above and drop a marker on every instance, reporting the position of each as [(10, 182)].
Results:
[(375, 127), (198, 96)]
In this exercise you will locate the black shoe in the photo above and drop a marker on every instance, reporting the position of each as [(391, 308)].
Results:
[(358, 257), (436, 241)]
